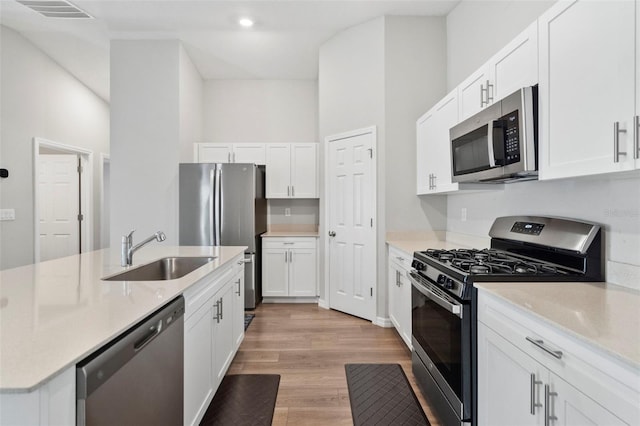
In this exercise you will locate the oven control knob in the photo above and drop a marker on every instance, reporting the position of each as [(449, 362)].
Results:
[(418, 266), (449, 284), (442, 279)]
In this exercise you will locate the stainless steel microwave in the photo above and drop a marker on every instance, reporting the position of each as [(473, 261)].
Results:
[(498, 144)]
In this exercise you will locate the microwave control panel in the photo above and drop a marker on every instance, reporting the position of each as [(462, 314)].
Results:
[(511, 138)]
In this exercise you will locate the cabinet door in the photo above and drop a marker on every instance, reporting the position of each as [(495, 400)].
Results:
[(516, 65), (439, 146), (223, 347), (238, 309), (275, 269), (302, 272), (404, 307), (278, 166), (394, 294), (198, 368), (573, 408), (304, 170), (505, 389), (249, 153), (424, 170), (472, 93), (214, 153), (586, 85)]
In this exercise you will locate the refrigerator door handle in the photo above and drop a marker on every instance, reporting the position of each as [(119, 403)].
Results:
[(217, 213), (212, 194)]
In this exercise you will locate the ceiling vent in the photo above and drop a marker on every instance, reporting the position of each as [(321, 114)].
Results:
[(55, 8)]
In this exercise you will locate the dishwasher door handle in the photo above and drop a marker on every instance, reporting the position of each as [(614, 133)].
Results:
[(152, 334)]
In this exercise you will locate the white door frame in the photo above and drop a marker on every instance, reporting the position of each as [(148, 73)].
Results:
[(86, 196), (327, 209)]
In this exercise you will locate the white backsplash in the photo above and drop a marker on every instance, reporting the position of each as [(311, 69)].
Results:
[(301, 212)]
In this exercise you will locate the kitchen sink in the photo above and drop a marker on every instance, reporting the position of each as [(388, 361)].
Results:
[(167, 268)]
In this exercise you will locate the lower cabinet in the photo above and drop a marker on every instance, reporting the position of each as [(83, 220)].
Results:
[(289, 267), (549, 382), (213, 332), (399, 264)]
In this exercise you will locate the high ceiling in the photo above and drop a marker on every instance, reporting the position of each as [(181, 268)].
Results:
[(283, 43)]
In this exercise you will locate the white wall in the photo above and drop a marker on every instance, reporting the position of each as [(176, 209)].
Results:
[(40, 99), (145, 135), (191, 106), (415, 79), (476, 29), (611, 201), (260, 111)]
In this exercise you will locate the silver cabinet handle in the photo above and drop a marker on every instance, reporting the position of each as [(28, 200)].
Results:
[(616, 142), (636, 137), (228, 157), (400, 258), (489, 96), (285, 257), (548, 415), (482, 90), (288, 191), (540, 343), (218, 308), (238, 282), (534, 404), (290, 256), (435, 181), (221, 309), (293, 190)]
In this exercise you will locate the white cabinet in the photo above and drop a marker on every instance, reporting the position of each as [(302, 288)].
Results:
[(213, 330), (230, 153), (588, 88), (513, 67), (292, 170), (289, 267), (558, 379), (433, 156), (399, 263)]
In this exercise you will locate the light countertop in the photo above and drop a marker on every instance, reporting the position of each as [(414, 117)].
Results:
[(55, 313), (290, 234), (604, 315), (409, 246)]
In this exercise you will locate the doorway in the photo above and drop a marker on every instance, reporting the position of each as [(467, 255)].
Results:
[(351, 222), (63, 199)]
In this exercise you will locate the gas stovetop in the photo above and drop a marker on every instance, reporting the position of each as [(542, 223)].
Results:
[(523, 248), (492, 262)]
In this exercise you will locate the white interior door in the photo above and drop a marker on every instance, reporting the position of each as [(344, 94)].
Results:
[(58, 203), (351, 209)]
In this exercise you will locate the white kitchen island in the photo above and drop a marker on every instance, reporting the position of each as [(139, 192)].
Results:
[(55, 313)]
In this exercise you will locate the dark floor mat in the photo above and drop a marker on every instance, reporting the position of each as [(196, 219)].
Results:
[(247, 320), (380, 394), (243, 399)]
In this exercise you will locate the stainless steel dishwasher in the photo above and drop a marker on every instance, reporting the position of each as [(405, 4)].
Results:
[(138, 378)]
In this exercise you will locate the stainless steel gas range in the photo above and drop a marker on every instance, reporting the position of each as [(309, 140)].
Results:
[(523, 248)]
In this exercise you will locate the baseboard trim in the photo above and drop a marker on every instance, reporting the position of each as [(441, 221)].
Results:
[(383, 322), (323, 304)]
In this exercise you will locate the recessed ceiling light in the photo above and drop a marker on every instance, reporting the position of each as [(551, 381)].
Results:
[(245, 22)]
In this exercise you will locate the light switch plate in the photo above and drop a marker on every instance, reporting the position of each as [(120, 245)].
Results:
[(7, 214)]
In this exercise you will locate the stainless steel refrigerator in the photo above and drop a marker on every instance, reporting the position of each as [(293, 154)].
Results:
[(225, 205)]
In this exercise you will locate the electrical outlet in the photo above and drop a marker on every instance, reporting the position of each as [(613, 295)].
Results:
[(463, 214), (7, 214), (287, 211)]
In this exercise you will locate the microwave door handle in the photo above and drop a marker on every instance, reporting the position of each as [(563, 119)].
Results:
[(492, 158)]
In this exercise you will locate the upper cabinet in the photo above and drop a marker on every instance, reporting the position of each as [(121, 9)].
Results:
[(513, 67), (589, 88), (433, 167), (230, 153), (292, 170)]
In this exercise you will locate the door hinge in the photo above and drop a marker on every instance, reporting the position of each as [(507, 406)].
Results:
[(371, 291), (80, 168), (370, 152), (80, 217), (372, 222)]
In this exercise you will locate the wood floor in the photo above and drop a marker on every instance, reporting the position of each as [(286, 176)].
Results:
[(308, 346)]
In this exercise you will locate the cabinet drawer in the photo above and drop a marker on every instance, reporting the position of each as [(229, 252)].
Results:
[(400, 258), (599, 376), (196, 295), (289, 242)]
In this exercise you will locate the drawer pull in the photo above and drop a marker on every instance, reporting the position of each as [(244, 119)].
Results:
[(540, 343)]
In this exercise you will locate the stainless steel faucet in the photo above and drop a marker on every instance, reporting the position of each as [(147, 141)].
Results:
[(126, 258)]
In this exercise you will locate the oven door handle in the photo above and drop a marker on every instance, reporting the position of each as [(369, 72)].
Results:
[(453, 308)]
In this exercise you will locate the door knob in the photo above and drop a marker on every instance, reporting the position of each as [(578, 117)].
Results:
[(332, 233)]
